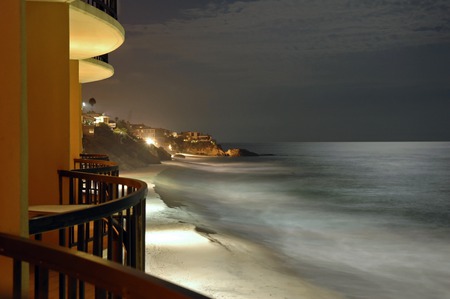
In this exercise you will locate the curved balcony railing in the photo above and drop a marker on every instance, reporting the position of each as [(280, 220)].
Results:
[(99, 214), (106, 277), (102, 216), (97, 166), (91, 206), (108, 6), (94, 156)]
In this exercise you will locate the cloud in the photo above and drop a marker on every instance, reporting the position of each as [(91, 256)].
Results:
[(279, 35), (322, 25), (283, 65)]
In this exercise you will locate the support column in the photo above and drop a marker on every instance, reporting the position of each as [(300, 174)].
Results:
[(76, 132), (48, 98), (13, 135)]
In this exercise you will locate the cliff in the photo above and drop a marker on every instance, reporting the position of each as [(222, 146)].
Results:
[(128, 152)]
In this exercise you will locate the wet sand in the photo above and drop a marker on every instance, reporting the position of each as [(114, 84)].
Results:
[(216, 265)]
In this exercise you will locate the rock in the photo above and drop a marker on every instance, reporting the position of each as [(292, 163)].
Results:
[(199, 148), (240, 152)]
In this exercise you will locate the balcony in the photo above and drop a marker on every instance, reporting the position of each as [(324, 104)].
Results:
[(94, 31), (100, 228), (106, 278), (92, 69)]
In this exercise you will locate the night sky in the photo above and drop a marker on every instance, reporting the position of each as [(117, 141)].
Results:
[(283, 70)]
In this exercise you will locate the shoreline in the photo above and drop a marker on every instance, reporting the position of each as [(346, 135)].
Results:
[(215, 264)]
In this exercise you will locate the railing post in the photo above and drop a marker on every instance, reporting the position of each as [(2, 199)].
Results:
[(140, 228), (17, 279), (62, 277), (72, 288), (40, 278), (128, 228), (110, 238), (81, 238)]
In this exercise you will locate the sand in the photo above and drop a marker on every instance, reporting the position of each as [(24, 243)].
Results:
[(216, 265)]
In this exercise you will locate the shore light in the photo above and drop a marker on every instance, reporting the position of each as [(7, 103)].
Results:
[(150, 141)]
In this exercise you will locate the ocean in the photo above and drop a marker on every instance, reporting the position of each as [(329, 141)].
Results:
[(365, 219)]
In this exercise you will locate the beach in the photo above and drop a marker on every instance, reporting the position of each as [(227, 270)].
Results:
[(216, 265), (315, 220)]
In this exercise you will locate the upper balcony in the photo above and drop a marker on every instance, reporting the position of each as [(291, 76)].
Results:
[(94, 29), (94, 32)]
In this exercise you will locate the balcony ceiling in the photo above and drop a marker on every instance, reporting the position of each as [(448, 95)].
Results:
[(92, 32), (91, 70)]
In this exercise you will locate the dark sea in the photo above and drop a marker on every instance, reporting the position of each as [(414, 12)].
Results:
[(365, 219)]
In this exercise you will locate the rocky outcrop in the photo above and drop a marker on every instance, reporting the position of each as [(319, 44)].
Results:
[(203, 148), (206, 148), (240, 152)]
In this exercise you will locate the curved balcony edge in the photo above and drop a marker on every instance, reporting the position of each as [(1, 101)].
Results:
[(92, 70), (93, 32)]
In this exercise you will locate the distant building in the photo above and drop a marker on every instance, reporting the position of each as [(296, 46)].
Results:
[(142, 131), (196, 137), (157, 135), (93, 119)]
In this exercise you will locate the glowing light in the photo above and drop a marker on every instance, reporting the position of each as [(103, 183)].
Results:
[(150, 141), (170, 147), (174, 237)]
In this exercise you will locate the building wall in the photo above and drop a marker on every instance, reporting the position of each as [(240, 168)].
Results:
[(40, 96)]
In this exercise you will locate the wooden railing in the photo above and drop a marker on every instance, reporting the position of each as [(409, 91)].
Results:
[(94, 156), (102, 216), (107, 277), (99, 214), (96, 166), (92, 200)]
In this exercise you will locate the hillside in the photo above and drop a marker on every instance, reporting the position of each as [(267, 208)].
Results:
[(130, 153)]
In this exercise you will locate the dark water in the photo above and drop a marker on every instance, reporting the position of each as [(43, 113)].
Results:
[(369, 220)]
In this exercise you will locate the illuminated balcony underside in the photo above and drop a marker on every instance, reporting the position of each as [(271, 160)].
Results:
[(92, 32), (92, 70)]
